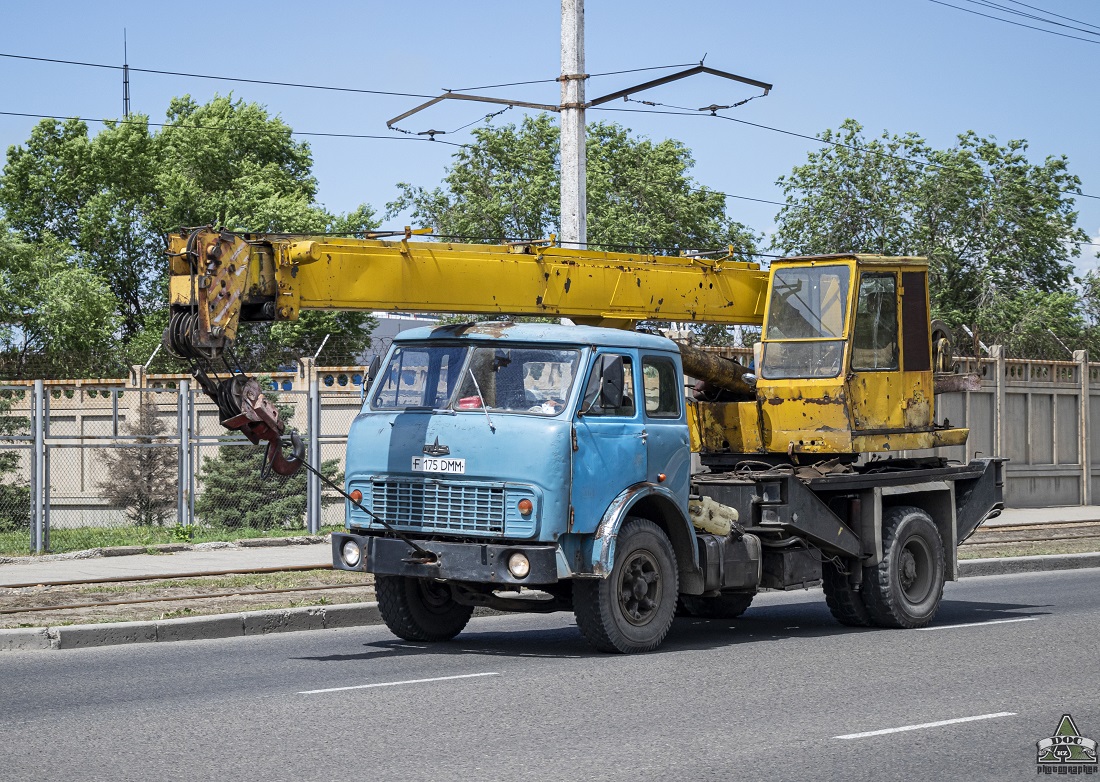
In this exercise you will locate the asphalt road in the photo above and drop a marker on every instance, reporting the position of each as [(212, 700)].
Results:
[(782, 693)]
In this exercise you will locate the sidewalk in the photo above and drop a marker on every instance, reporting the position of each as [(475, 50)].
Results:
[(1069, 514), (200, 559), (206, 558)]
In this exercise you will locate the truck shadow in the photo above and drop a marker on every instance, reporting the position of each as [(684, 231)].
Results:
[(762, 624)]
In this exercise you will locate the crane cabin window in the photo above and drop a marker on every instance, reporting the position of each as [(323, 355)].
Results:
[(875, 339), (803, 337)]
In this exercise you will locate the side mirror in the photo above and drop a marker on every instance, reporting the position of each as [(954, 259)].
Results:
[(372, 373), (605, 385), (375, 365)]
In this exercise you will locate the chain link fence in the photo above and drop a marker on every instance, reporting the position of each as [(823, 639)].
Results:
[(142, 466), (15, 455)]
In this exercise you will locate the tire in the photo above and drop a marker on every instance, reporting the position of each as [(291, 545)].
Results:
[(905, 589), (845, 603), (632, 609), (419, 609), (726, 606)]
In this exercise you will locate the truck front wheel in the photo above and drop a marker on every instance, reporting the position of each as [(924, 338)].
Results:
[(905, 588), (632, 609), (420, 609)]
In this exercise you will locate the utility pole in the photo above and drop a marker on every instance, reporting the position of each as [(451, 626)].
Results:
[(125, 78), (574, 203)]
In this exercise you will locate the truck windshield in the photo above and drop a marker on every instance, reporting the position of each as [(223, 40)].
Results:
[(517, 379), (419, 376), (806, 318)]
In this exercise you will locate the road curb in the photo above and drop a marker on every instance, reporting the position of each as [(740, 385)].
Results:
[(285, 620), (1001, 566), (192, 628)]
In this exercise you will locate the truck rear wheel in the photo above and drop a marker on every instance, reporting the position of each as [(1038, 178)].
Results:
[(419, 609), (844, 601), (725, 606), (632, 609), (905, 588)]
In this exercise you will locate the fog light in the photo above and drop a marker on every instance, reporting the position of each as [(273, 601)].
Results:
[(525, 507), (518, 565), (351, 553)]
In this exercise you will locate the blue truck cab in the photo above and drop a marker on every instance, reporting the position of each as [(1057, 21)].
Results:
[(513, 454)]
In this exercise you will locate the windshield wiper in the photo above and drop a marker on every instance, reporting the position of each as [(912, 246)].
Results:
[(481, 397)]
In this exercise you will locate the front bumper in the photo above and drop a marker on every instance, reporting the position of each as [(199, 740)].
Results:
[(481, 563)]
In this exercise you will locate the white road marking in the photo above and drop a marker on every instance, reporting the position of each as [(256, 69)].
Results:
[(396, 684), (981, 624), (926, 725)]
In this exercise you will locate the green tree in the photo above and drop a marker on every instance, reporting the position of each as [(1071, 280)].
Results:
[(639, 192), (998, 230), (102, 203), (234, 496), (142, 479)]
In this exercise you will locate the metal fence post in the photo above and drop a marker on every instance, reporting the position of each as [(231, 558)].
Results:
[(999, 424), (183, 475), (313, 454), (1084, 426), (38, 469)]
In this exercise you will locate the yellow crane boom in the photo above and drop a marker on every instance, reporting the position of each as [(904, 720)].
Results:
[(224, 278)]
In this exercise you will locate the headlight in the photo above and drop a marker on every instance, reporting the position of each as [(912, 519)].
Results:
[(518, 565), (351, 553)]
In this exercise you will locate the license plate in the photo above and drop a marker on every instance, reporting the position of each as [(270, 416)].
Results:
[(437, 464)]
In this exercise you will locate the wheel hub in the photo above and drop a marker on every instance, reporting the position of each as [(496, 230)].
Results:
[(915, 570), (640, 588), (908, 570)]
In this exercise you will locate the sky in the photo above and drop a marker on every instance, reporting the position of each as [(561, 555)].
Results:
[(896, 65)]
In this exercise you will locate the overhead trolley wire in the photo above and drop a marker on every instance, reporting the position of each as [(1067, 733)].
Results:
[(1024, 15), (1018, 24), (134, 69), (1051, 13)]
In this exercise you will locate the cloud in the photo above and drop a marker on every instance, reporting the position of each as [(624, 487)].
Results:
[(1088, 260)]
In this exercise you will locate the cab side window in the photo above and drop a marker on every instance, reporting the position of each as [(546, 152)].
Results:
[(627, 409), (662, 387)]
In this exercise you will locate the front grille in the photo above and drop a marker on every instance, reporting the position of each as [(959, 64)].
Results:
[(440, 507)]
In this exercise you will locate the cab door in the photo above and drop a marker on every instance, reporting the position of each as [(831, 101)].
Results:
[(669, 451), (609, 452)]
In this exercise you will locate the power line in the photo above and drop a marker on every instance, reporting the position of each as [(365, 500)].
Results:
[(1051, 13), (1024, 15), (182, 126), (302, 85), (1018, 24), (216, 78)]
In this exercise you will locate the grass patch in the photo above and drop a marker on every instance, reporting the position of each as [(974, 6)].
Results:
[(61, 540), (247, 581)]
